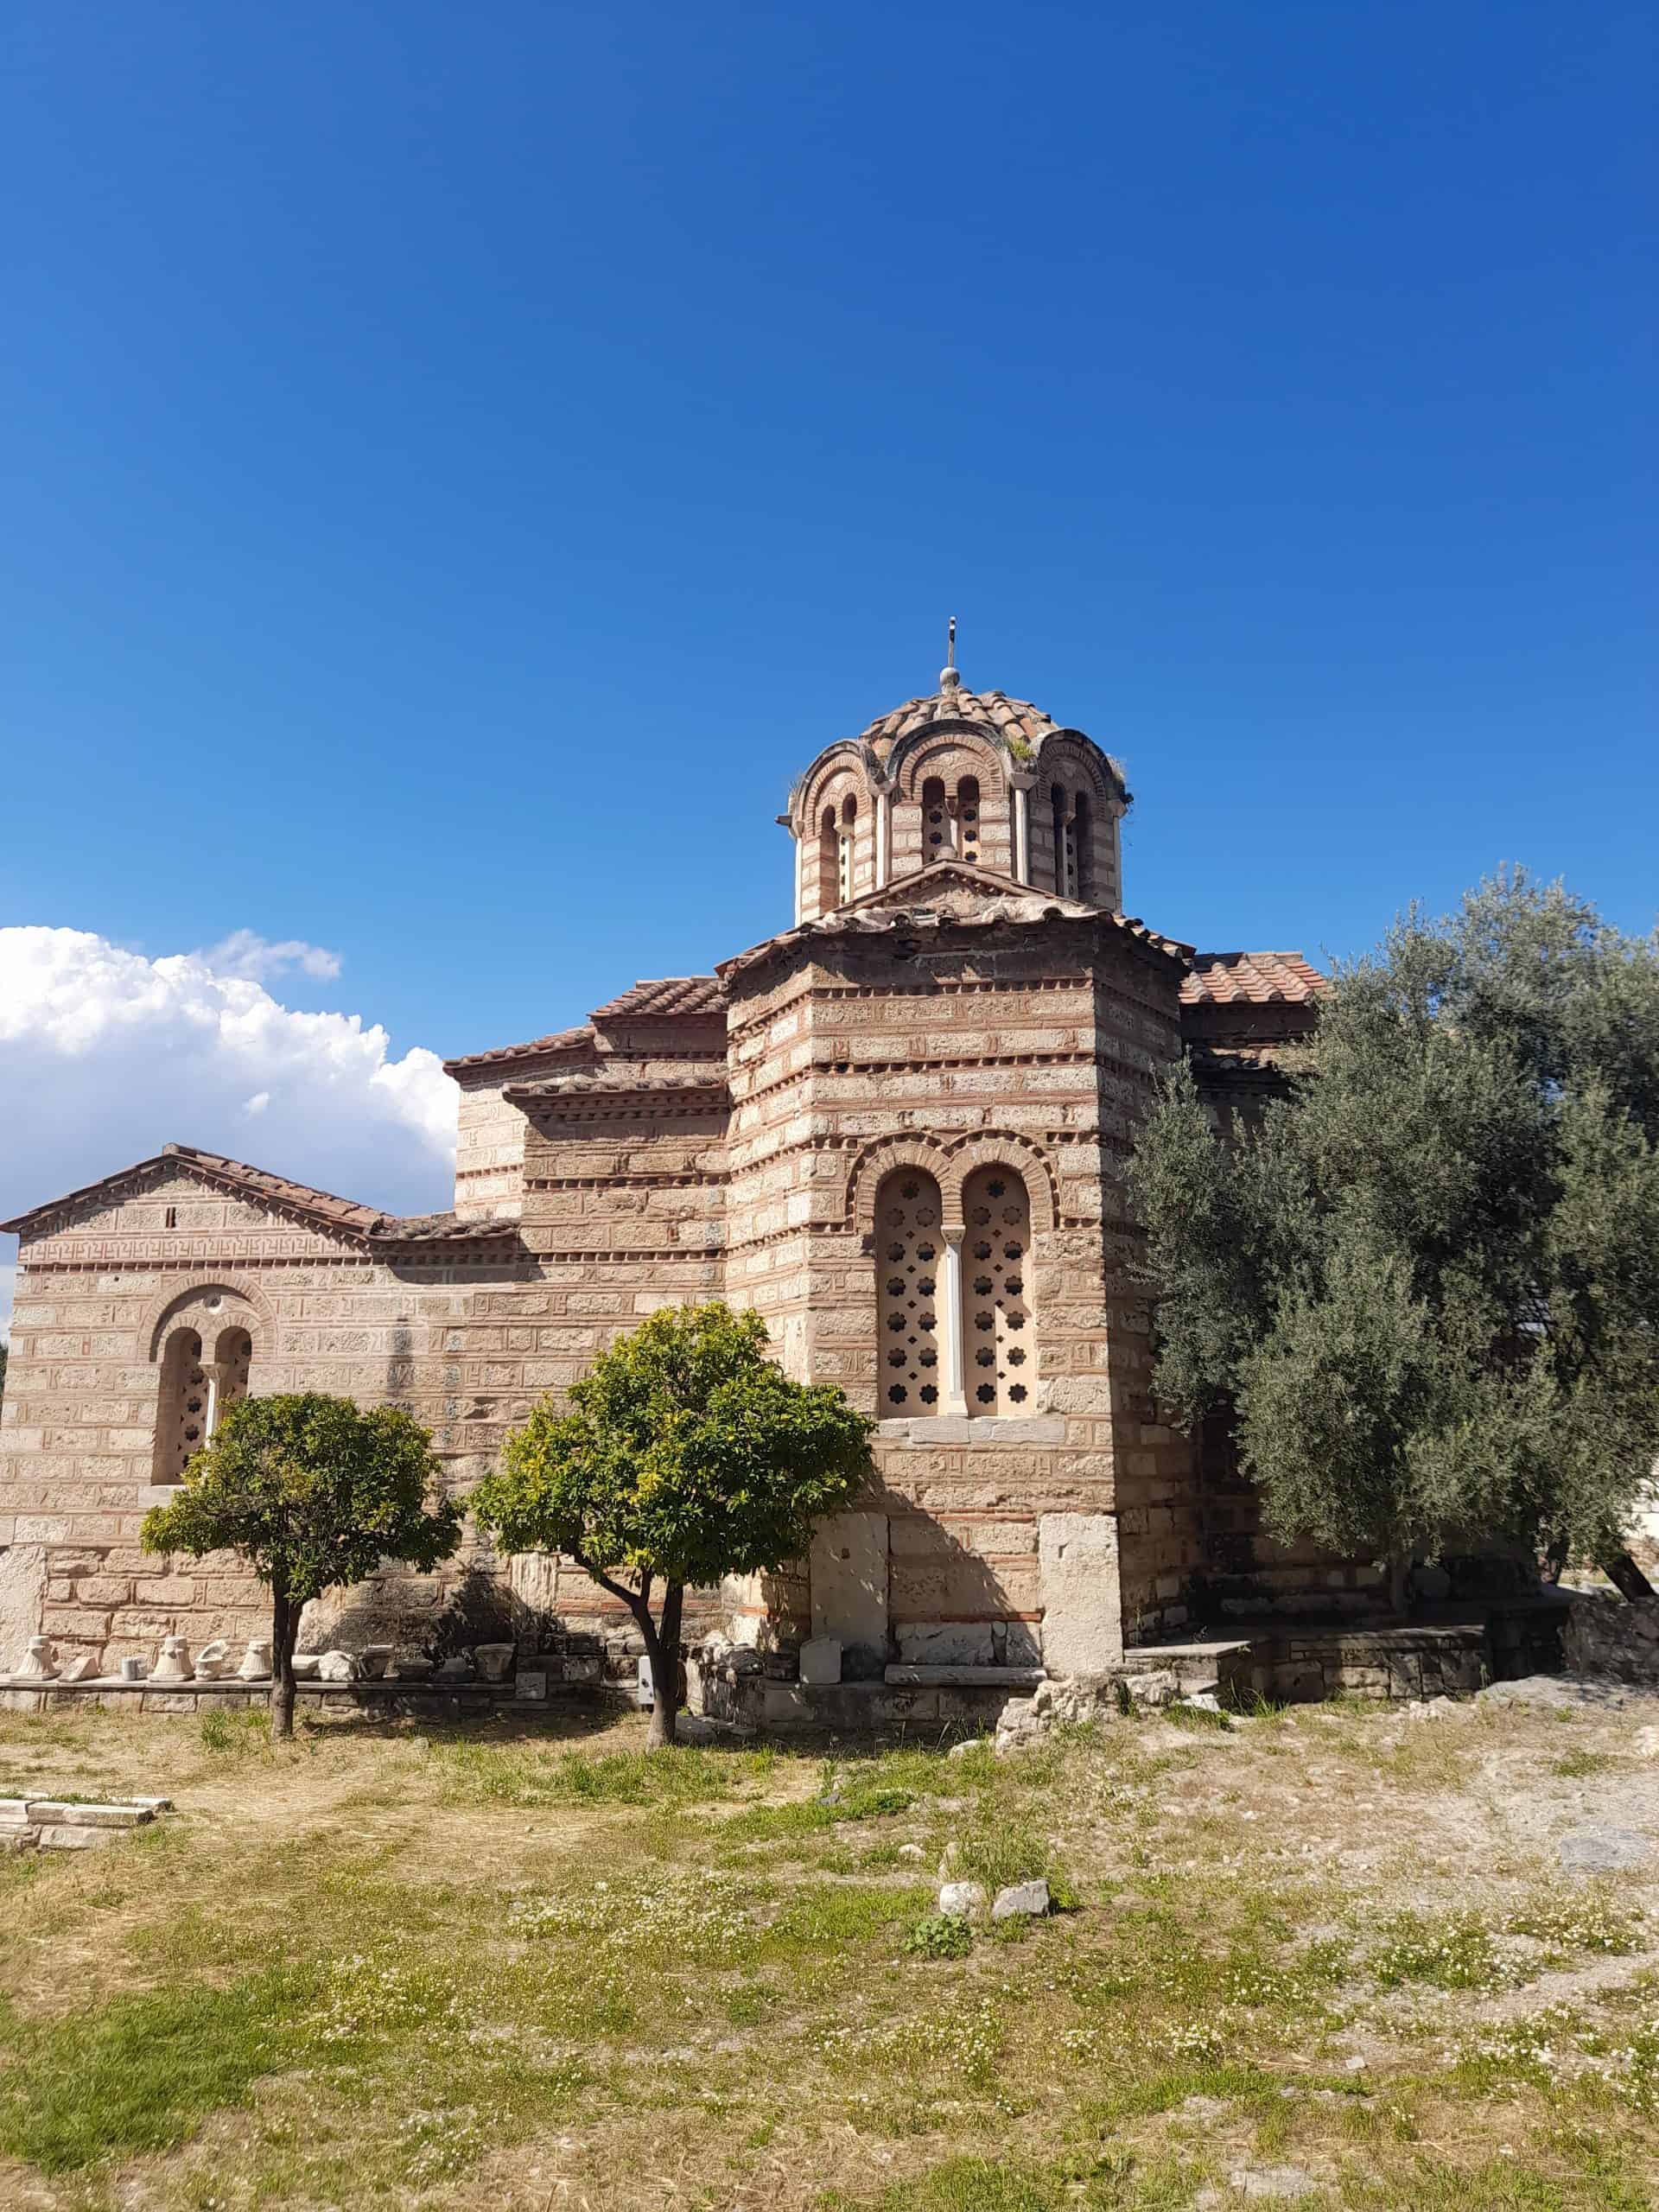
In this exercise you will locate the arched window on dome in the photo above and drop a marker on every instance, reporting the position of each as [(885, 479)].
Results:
[(967, 818), (1082, 847), (844, 850), (909, 1255), (1065, 844), (999, 1330), (829, 859), (936, 822)]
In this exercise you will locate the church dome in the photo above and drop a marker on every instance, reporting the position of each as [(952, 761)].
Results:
[(979, 778), (1016, 720)]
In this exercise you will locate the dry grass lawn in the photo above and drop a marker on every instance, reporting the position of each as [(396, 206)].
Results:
[(1331, 1958)]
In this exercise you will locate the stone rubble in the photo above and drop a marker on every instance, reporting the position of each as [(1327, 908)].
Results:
[(962, 1900), (1021, 1900)]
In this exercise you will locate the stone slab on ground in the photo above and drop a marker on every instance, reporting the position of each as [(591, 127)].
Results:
[(1554, 1690), (1605, 1850)]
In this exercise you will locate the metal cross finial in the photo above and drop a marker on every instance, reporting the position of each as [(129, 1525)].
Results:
[(949, 679)]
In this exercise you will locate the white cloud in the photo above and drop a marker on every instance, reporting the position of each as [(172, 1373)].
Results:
[(245, 953), (106, 1056)]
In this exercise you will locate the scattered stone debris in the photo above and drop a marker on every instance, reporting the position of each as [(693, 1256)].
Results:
[(1028, 1900), (962, 1900), (63, 1824)]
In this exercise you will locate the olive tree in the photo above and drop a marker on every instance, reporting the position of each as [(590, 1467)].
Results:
[(1428, 1280), (316, 1494), (685, 1455)]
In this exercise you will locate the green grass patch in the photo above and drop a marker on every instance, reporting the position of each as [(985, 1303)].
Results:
[(139, 2072), (470, 1772), (1581, 1762)]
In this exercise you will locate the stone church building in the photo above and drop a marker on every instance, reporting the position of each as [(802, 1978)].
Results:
[(896, 1128)]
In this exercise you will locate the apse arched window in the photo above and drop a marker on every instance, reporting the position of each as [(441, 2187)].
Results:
[(936, 824), (967, 818), (1000, 1335), (1083, 847), (829, 859), (844, 850), (182, 1406), (909, 1253)]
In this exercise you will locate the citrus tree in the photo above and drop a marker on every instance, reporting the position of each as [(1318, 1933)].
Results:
[(685, 1455), (316, 1494)]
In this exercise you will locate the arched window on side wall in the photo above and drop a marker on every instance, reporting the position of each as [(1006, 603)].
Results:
[(1082, 847), (909, 1252), (181, 1408), (1000, 1332), (844, 850), (935, 823), (967, 818)]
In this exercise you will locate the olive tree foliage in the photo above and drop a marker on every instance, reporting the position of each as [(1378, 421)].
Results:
[(316, 1494), (685, 1455), (1428, 1279)]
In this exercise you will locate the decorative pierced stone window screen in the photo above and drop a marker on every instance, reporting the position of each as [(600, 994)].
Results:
[(909, 1255), (844, 851), (234, 1355), (968, 816), (1065, 845), (182, 1412), (1001, 1347), (936, 822)]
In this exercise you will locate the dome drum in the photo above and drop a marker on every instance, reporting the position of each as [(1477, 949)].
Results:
[(963, 776)]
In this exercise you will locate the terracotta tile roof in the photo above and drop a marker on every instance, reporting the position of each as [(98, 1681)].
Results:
[(1252, 979), (600, 1083), (905, 907), (439, 1229), (234, 1175), (562, 1040), (277, 1190), (321, 1207), (1014, 718), (667, 995)]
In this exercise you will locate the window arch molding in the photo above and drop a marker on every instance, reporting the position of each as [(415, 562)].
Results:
[(174, 1308), (950, 754), (950, 1166), (873, 1166)]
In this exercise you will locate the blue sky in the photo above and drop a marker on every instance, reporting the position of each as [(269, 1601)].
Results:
[(461, 464)]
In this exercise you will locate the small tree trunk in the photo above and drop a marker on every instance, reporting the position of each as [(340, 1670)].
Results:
[(1400, 1582), (1627, 1577), (663, 1647), (284, 1635)]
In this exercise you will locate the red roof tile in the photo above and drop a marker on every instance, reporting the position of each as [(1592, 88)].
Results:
[(667, 995), (562, 1040), (1252, 979)]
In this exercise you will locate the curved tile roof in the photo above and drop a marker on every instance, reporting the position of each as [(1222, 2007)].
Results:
[(664, 996), (1016, 719), (1252, 979)]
